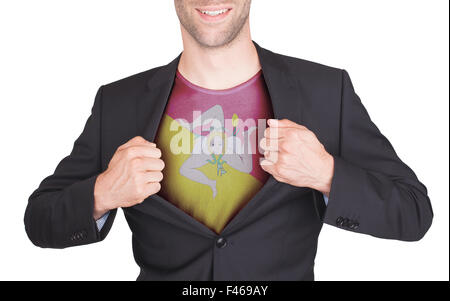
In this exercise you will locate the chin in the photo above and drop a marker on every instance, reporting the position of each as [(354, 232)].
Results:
[(214, 39)]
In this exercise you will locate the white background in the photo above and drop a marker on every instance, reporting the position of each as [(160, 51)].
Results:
[(55, 54)]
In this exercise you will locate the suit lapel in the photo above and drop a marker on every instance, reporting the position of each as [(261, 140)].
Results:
[(150, 107), (281, 84), (284, 95)]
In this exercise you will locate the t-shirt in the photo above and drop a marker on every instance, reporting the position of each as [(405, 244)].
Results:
[(209, 141)]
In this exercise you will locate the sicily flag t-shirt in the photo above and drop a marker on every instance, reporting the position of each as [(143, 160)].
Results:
[(209, 141)]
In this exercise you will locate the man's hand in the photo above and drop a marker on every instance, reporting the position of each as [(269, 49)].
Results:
[(133, 174), (294, 155)]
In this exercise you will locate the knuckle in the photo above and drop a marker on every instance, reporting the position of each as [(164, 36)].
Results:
[(138, 139), (296, 135), (291, 134), (135, 162), (282, 146), (130, 153)]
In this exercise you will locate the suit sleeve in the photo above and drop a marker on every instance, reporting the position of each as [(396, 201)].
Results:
[(373, 191), (59, 213)]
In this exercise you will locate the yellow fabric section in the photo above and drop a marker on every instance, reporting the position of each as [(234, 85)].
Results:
[(234, 188)]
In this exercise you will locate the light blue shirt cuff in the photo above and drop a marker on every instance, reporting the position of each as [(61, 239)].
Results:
[(325, 198), (101, 221)]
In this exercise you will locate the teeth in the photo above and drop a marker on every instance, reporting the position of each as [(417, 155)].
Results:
[(214, 13)]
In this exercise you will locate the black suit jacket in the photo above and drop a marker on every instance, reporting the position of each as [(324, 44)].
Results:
[(274, 237)]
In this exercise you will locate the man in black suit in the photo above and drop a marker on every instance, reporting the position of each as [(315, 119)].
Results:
[(325, 161)]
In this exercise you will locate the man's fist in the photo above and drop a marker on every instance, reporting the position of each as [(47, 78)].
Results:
[(294, 155), (133, 174)]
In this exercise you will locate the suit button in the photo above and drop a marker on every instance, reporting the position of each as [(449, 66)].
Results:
[(346, 222), (340, 221), (221, 242), (355, 225)]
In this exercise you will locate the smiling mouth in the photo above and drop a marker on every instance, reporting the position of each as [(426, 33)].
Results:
[(214, 13)]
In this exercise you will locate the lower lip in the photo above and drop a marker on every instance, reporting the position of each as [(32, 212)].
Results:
[(217, 18)]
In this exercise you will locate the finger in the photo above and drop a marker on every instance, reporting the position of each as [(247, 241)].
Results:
[(271, 156), (269, 144), (150, 164), (151, 188), (153, 176), (142, 151), (138, 140), (284, 123), (266, 164), (276, 132)]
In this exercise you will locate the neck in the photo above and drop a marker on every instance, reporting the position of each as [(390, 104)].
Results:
[(222, 67)]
